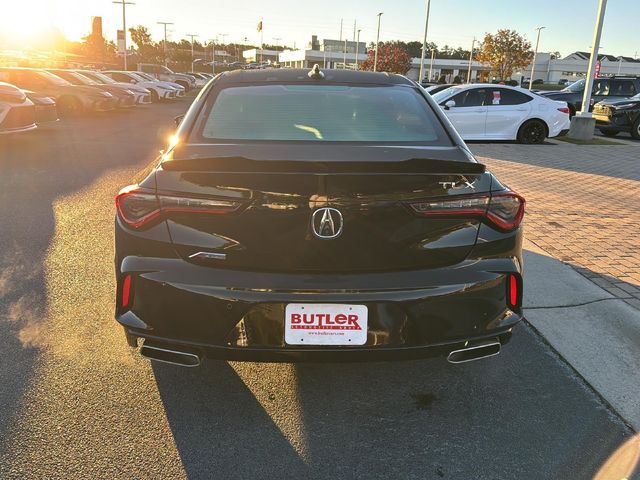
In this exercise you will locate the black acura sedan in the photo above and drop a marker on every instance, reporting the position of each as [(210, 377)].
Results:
[(325, 216)]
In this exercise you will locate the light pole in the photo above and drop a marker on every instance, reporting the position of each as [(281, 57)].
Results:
[(535, 54), (164, 24), (213, 56), (375, 56), (192, 37), (473, 42), (595, 47), (344, 60), (277, 40), (124, 26), (582, 124), (424, 42), (357, 50)]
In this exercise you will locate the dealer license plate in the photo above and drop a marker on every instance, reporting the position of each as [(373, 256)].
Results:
[(325, 324)]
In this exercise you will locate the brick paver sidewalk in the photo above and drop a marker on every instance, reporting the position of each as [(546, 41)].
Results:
[(583, 206)]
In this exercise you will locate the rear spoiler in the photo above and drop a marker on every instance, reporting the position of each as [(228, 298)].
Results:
[(242, 164)]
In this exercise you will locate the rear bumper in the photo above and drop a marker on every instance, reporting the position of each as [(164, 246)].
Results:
[(238, 315)]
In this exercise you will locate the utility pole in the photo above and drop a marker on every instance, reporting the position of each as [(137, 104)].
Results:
[(192, 37), (535, 54), (164, 24), (433, 52), (357, 50), (375, 56), (341, 20), (124, 25), (354, 30), (473, 43), (424, 42)]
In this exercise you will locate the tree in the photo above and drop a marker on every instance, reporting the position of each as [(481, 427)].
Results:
[(148, 50), (96, 49), (505, 52), (391, 58), (555, 55)]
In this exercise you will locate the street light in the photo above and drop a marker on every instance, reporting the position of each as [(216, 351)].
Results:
[(192, 37), (424, 43), (124, 26), (535, 54), (375, 57), (165, 39)]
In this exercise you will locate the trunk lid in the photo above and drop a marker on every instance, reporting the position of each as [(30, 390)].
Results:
[(276, 229)]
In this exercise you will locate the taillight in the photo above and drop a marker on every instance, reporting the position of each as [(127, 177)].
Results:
[(514, 291), (503, 210), (564, 110), (127, 292), (138, 207)]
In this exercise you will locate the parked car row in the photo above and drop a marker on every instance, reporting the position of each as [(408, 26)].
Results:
[(33, 96)]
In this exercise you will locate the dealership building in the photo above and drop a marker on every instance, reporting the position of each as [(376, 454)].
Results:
[(330, 53)]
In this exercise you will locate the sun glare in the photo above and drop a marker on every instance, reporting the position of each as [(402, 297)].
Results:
[(34, 23)]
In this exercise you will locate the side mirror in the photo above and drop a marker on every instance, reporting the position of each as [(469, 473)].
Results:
[(132, 81), (449, 104), (178, 119)]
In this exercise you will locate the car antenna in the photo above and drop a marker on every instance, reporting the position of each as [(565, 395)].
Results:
[(315, 73)]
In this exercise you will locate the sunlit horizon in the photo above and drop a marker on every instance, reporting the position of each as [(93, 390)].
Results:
[(34, 23)]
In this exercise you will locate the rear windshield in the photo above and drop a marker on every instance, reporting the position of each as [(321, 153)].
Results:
[(323, 113)]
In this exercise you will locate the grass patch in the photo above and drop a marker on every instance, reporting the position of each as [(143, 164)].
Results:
[(593, 141)]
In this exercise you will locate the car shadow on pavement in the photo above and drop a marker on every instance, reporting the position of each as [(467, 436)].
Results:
[(220, 428), (36, 168), (510, 416)]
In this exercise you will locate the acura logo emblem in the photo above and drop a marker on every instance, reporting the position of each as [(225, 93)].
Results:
[(326, 223)]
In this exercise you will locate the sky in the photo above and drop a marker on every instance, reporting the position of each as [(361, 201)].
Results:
[(569, 23)]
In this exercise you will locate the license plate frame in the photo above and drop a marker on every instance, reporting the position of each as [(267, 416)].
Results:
[(334, 324)]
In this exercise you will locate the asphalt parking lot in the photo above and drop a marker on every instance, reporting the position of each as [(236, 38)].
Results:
[(76, 402)]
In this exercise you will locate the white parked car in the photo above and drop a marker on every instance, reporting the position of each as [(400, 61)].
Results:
[(158, 90), (17, 112), (180, 90), (142, 95), (500, 112)]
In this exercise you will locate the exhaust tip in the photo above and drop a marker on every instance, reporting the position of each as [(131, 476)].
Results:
[(474, 351), (174, 357)]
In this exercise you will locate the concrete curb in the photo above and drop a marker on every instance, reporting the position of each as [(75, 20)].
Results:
[(596, 333)]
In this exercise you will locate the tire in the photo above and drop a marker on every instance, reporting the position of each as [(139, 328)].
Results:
[(532, 132), (155, 98), (609, 133), (635, 129), (69, 107)]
